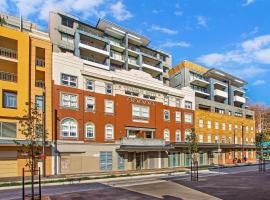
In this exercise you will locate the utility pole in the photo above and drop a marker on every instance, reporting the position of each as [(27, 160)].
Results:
[(44, 132)]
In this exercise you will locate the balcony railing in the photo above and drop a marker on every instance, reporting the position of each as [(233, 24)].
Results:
[(92, 45), (92, 60), (40, 83), (142, 142), (200, 89), (9, 53), (116, 43), (6, 76), (134, 62), (134, 48), (117, 56), (40, 62)]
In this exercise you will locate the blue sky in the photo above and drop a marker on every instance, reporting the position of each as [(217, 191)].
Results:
[(232, 35)]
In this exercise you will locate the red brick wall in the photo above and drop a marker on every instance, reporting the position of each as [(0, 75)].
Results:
[(121, 118)]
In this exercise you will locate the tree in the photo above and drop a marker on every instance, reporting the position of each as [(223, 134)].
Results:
[(2, 21), (193, 152), (31, 127)]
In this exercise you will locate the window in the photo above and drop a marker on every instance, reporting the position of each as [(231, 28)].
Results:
[(219, 110), (201, 123), (178, 116), (140, 112), (39, 102), (230, 127), (247, 129), (209, 139), (188, 118), (166, 100), (178, 136), (201, 138), (188, 104), (209, 124), (69, 127), (67, 22), (8, 129), (187, 134), (166, 115), (90, 104), (236, 140), (109, 132), (167, 135), (148, 96), (109, 88), (230, 139), (67, 38), (69, 100), (246, 140), (90, 130), (90, 85), (223, 126), (230, 112), (216, 125), (10, 99), (216, 139), (251, 141), (178, 103), (223, 139), (121, 161), (251, 128), (69, 80), (109, 108), (237, 114), (105, 162), (236, 127)]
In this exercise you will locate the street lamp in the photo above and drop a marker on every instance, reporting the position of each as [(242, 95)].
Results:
[(44, 132)]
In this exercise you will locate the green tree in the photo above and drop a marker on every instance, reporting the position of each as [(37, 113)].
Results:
[(2, 21), (193, 146)]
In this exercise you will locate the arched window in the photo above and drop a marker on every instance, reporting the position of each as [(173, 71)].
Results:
[(69, 127), (177, 136), (90, 130), (187, 134), (109, 132), (167, 135)]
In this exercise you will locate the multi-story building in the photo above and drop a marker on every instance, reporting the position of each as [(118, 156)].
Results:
[(222, 117), (25, 75), (117, 119), (107, 46)]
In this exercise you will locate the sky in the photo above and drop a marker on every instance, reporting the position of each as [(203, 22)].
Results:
[(231, 35)]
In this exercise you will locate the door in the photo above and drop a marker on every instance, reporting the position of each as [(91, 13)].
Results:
[(139, 160), (202, 159), (187, 160)]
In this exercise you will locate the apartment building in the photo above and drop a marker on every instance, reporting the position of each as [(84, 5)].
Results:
[(107, 46), (116, 120), (25, 76), (222, 119)]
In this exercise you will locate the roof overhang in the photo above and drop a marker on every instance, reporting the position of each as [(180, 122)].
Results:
[(219, 74)]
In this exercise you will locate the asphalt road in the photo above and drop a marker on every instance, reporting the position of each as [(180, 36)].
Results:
[(213, 185)]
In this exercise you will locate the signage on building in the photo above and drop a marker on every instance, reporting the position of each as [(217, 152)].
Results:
[(142, 101)]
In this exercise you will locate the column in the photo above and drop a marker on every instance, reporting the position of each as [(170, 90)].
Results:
[(76, 44)]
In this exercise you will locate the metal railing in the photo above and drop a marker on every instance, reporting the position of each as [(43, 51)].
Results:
[(7, 76), (200, 89), (131, 61), (116, 43), (40, 84), (9, 53), (92, 60), (40, 62), (134, 48), (117, 56)]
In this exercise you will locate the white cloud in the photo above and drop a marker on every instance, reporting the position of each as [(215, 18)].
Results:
[(247, 72), (157, 11), (170, 44), (163, 30), (251, 33), (178, 13), (84, 8), (256, 43), (258, 82), (202, 21), (263, 56), (119, 11), (248, 2), (3, 6)]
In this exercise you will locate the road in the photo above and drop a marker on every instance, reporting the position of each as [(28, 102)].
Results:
[(158, 187)]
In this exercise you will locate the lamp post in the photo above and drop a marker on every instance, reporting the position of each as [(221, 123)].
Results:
[(44, 132), (243, 142)]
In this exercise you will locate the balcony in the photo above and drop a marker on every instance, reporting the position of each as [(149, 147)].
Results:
[(133, 62), (200, 81), (6, 76), (117, 57), (142, 142), (94, 62), (93, 47), (8, 54), (152, 56), (151, 67), (239, 99), (40, 83), (200, 90), (221, 93), (117, 45), (40, 62)]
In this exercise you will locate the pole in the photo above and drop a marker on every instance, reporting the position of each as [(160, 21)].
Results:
[(242, 142), (44, 134), (32, 172), (39, 183), (23, 183)]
